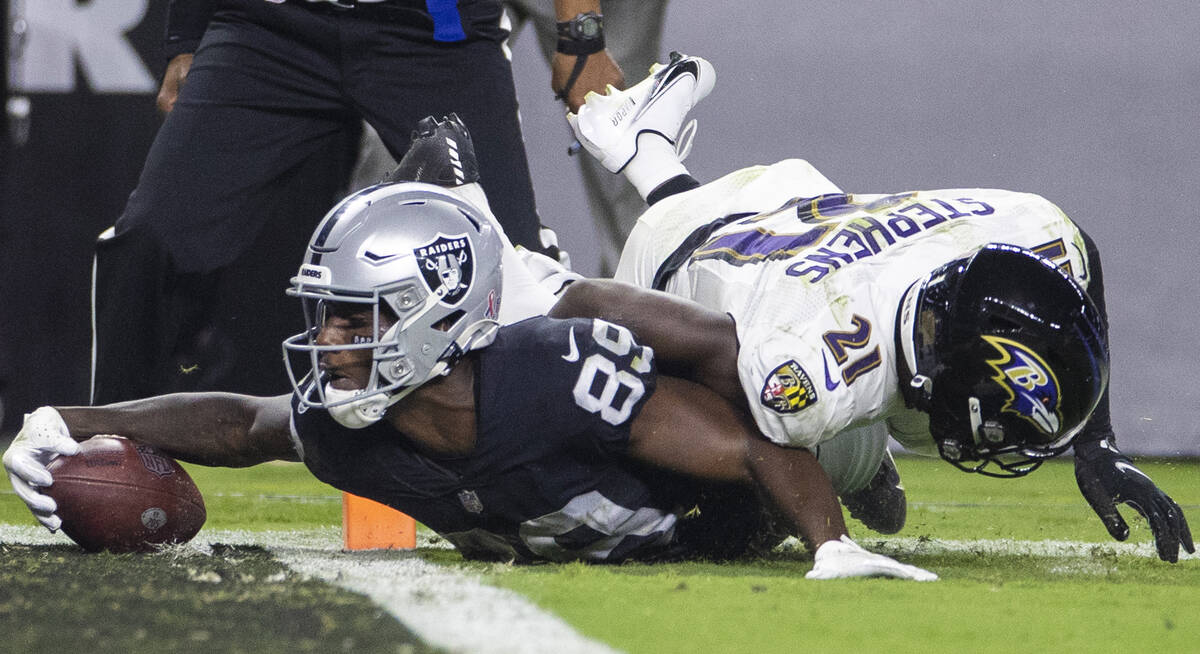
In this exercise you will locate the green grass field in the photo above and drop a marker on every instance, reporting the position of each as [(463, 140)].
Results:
[(1025, 565)]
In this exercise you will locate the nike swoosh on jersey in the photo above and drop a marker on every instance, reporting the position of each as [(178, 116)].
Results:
[(573, 354), (830, 384)]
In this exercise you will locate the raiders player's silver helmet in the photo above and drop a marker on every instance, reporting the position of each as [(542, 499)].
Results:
[(411, 251), (1007, 354)]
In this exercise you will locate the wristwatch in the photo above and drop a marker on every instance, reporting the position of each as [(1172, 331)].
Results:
[(583, 34), (583, 27)]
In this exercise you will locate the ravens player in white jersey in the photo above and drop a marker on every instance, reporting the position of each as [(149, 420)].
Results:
[(955, 320), (543, 439)]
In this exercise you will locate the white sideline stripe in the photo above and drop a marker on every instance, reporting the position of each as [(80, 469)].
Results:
[(328, 541), (1063, 549), (456, 612), (450, 610)]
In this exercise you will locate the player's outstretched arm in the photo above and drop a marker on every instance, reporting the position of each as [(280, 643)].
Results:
[(689, 340), (686, 428), (217, 429), (1106, 477), (212, 429)]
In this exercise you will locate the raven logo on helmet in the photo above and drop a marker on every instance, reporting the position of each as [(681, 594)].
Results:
[(448, 267), (1033, 390)]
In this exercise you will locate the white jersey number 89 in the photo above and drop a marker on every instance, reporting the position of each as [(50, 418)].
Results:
[(618, 341)]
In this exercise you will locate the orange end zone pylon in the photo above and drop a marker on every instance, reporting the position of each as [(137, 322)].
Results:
[(369, 525)]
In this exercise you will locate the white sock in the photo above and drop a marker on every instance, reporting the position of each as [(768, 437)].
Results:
[(654, 163)]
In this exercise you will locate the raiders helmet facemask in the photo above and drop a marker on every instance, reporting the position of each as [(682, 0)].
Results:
[(1007, 355), (415, 254)]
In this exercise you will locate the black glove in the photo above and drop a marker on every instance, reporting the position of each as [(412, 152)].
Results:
[(1107, 477)]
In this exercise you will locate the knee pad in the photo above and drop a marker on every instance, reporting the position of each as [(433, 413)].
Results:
[(852, 457)]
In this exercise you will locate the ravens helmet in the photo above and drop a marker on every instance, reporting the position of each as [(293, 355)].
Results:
[(1008, 356), (416, 254)]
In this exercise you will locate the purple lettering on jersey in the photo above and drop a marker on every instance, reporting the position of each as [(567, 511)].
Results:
[(954, 213), (934, 217), (756, 246), (854, 242), (864, 364), (902, 225), (984, 209), (829, 246), (872, 231), (803, 268), (831, 258)]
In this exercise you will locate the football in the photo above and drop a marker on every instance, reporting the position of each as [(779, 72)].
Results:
[(122, 496)]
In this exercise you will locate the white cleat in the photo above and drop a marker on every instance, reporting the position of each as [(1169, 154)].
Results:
[(610, 125)]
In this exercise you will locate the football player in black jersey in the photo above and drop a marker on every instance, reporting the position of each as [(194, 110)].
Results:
[(545, 439)]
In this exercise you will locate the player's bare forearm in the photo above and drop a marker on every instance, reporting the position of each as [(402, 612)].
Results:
[(798, 487), (688, 340), (598, 70), (685, 428), (214, 429), (565, 9)]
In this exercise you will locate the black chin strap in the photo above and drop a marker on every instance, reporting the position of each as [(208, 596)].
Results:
[(912, 396)]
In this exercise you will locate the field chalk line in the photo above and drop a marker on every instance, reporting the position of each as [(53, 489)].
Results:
[(455, 611), (448, 609)]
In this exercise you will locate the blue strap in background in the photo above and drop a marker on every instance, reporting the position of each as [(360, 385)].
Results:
[(447, 24)]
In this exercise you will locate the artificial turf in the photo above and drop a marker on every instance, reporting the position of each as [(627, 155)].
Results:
[(1024, 564)]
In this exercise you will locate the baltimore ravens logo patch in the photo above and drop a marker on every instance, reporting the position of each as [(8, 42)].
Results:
[(448, 266), (788, 389), (1032, 387)]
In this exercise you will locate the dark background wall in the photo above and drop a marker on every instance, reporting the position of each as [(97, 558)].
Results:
[(1092, 104), (88, 75)]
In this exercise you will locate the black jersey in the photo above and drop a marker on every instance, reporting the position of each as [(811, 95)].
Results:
[(548, 478)]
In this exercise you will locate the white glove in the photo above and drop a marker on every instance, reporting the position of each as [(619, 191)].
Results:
[(42, 438), (840, 559), (548, 273), (549, 239)]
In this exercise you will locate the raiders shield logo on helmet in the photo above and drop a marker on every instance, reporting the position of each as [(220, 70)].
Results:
[(448, 267)]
